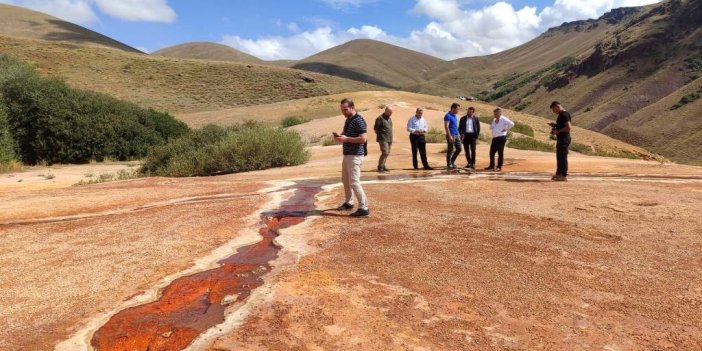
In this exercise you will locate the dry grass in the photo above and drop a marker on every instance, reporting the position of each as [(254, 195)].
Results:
[(174, 85), (374, 62), (207, 51)]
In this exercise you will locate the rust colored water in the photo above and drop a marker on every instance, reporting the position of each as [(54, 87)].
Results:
[(191, 305)]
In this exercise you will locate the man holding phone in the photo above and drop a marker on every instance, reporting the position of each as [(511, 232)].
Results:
[(353, 137)]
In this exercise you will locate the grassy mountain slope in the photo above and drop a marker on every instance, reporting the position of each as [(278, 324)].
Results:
[(207, 51), (651, 56), (23, 23), (372, 62), (170, 84)]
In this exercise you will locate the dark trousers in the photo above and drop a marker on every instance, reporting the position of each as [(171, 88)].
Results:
[(419, 144), (497, 146), (562, 145), (454, 149), (469, 141)]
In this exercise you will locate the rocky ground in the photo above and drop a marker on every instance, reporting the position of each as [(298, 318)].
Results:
[(608, 260)]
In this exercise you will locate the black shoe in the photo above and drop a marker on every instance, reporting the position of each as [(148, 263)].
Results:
[(344, 207), (360, 213), (491, 168), (467, 167), (498, 169), (429, 168), (450, 167), (385, 169)]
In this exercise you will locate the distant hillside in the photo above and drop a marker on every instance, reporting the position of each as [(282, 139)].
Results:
[(171, 84), (606, 71), (23, 23), (372, 62), (207, 51)]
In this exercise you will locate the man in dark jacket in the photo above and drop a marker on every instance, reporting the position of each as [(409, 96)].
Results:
[(383, 129), (561, 129), (469, 127)]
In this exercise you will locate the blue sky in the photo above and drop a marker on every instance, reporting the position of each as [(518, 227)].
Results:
[(271, 30)]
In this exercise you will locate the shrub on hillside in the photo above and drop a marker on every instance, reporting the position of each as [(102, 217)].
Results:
[(291, 121), (52, 122), (435, 135), (523, 128), (216, 150), (7, 144), (528, 143)]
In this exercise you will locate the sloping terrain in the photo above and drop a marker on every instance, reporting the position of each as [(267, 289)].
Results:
[(373, 62), (404, 103), (604, 71), (171, 84), (24, 23), (534, 265), (207, 51)]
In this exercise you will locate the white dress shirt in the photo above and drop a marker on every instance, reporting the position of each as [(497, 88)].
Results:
[(469, 124), (501, 127), (415, 124)]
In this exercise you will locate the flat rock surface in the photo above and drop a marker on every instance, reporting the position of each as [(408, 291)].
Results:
[(608, 260)]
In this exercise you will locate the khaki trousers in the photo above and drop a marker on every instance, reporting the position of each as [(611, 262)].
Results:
[(351, 178)]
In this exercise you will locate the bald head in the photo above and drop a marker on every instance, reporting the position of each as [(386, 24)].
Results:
[(388, 111)]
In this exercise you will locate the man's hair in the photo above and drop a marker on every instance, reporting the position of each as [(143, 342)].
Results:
[(554, 104), (497, 110), (455, 105), (348, 102), (420, 109), (471, 108)]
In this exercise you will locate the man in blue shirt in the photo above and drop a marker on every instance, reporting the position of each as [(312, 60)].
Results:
[(354, 139), (452, 136)]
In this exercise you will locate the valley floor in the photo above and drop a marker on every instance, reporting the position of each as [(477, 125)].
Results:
[(608, 260)]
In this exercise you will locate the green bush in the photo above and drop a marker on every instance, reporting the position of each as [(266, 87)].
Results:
[(522, 105), (523, 128), (216, 150), (435, 135), (694, 63), (292, 121), (329, 140), (7, 143), (519, 127), (52, 122), (686, 100), (613, 152), (528, 143), (582, 148)]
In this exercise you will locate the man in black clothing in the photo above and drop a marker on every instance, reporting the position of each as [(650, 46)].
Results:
[(561, 129), (469, 127)]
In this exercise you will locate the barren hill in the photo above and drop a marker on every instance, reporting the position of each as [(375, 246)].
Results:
[(23, 23), (207, 51), (171, 84), (373, 62), (606, 72)]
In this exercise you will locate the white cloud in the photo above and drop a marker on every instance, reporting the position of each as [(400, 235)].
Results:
[(76, 11), (82, 11), (454, 29), (293, 27), (342, 4), (138, 10)]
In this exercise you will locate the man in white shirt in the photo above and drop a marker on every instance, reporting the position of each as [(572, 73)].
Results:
[(417, 127), (499, 127)]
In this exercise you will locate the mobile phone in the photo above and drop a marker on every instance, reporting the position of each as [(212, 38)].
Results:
[(335, 134)]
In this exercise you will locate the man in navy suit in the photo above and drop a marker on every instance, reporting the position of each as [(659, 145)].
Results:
[(469, 127)]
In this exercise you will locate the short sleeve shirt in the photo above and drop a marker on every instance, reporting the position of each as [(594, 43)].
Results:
[(453, 123), (354, 127), (562, 120)]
